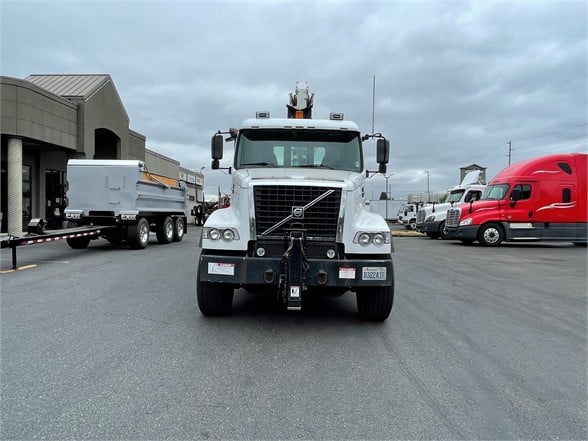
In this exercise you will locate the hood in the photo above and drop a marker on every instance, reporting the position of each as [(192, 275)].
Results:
[(292, 176), (479, 206)]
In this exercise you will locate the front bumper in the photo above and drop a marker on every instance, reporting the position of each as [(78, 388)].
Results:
[(429, 227), (266, 271), (469, 232)]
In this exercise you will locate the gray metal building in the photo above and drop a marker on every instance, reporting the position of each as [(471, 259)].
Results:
[(48, 119)]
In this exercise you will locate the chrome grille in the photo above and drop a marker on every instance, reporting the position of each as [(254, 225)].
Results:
[(420, 217), (274, 203), (453, 215)]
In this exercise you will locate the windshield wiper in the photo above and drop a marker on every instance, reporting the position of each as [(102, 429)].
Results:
[(314, 166), (264, 164)]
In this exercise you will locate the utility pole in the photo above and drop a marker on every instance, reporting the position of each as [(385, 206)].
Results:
[(509, 152)]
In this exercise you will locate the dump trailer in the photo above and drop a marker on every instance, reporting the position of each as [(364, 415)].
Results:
[(124, 197), (298, 225), (118, 200)]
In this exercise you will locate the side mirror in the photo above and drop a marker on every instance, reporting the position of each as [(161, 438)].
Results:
[(216, 147), (382, 151), (515, 196), (215, 164)]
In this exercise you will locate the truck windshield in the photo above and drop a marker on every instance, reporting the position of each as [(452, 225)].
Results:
[(300, 148), (495, 192), (455, 196)]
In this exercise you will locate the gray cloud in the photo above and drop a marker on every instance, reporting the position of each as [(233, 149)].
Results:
[(455, 80)]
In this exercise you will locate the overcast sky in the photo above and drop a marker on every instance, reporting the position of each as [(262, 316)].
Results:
[(455, 81)]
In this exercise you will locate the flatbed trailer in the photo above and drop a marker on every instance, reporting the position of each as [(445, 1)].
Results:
[(50, 236)]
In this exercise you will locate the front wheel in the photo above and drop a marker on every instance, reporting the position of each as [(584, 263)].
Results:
[(375, 303), (490, 235), (442, 231), (214, 299)]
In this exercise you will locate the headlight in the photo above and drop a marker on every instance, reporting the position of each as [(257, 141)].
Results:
[(226, 234), (467, 221), (364, 239), (379, 239), (430, 219)]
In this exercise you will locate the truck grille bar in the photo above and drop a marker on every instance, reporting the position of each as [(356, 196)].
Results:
[(453, 215), (275, 203)]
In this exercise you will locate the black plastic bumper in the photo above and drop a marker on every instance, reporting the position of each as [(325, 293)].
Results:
[(467, 233), (429, 227), (320, 272)]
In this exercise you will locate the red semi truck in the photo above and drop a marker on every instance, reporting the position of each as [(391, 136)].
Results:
[(538, 199)]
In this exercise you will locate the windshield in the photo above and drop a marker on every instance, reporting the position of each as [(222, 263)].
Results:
[(495, 192), (455, 196), (283, 148)]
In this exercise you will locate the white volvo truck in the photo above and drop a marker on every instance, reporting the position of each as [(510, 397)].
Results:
[(298, 225)]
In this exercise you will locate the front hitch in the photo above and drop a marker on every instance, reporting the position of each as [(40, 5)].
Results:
[(295, 268)]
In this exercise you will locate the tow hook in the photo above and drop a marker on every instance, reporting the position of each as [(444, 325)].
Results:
[(295, 267)]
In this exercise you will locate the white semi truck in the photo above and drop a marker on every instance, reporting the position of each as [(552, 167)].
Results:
[(430, 219), (298, 225)]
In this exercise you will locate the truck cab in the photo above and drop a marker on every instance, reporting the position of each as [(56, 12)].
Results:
[(298, 225), (430, 219)]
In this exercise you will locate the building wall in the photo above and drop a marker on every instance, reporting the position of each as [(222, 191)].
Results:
[(136, 146), (103, 110), (29, 111), (159, 164)]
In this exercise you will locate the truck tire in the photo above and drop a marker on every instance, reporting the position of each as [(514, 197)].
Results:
[(77, 243), (490, 235), (442, 230), (214, 299), (165, 230), (433, 235), (375, 303), (138, 234), (179, 229)]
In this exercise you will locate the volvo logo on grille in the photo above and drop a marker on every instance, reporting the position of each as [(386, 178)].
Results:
[(298, 212)]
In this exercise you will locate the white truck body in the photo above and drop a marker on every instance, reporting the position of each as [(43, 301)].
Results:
[(298, 224), (430, 219)]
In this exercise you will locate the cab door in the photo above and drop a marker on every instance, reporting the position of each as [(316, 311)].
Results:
[(521, 206)]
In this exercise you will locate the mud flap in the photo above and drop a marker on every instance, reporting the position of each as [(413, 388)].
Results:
[(295, 268)]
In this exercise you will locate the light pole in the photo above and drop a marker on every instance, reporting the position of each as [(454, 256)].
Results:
[(428, 188), (387, 193)]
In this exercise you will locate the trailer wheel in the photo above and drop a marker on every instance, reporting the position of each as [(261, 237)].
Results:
[(179, 229), (77, 243), (214, 299), (490, 235), (375, 303), (165, 230), (138, 234)]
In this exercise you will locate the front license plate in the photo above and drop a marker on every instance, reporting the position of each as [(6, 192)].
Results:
[(373, 273)]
